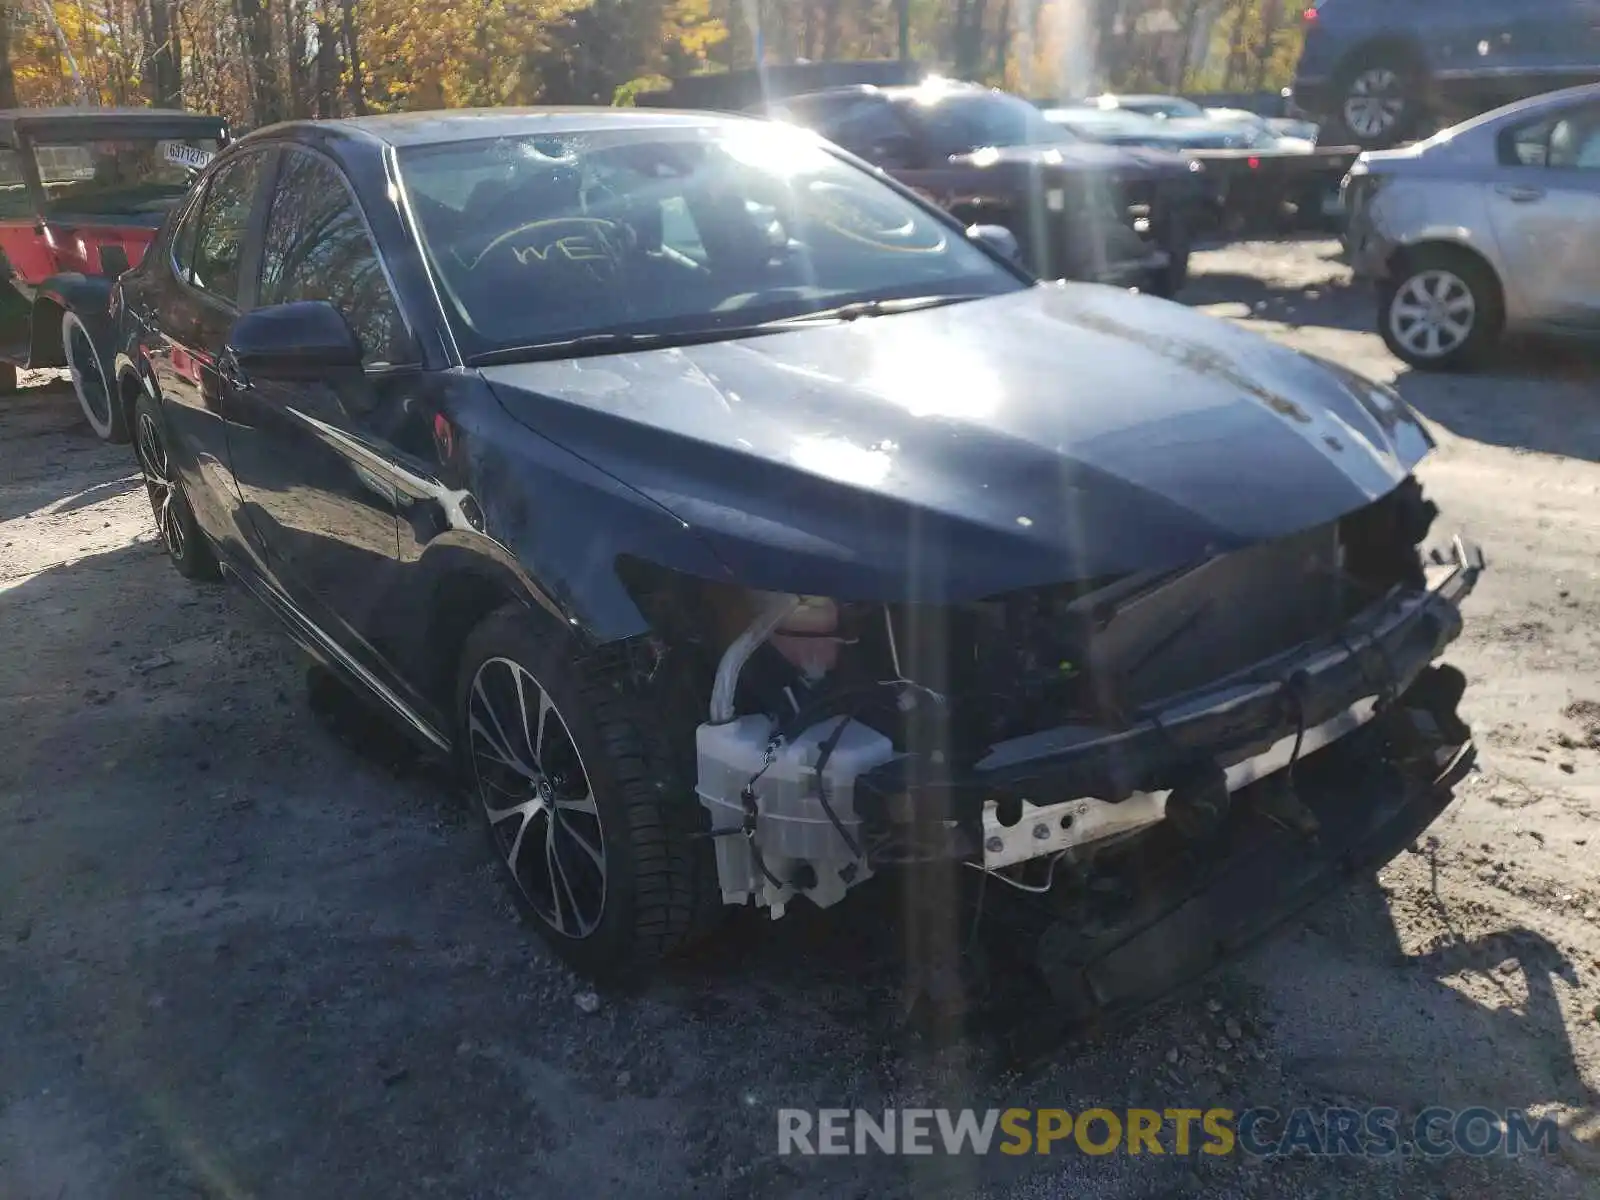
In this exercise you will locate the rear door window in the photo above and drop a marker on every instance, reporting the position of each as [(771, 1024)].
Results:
[(1575, 141), (1568, 140)]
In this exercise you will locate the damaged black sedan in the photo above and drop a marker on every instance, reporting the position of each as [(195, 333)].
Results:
[(746, 528)]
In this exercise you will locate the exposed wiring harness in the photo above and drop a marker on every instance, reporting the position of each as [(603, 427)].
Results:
[(752, 812), (1037, 890), (825, 753)]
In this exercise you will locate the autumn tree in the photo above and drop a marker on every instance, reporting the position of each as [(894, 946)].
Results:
[(8, 79), (257, 61)]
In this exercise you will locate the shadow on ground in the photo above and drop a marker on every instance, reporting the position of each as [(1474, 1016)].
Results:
[(1330, 303), (1496, 405), (1345, 976)]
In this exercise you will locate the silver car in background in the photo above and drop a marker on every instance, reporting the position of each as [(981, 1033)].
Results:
[(1489, 226)]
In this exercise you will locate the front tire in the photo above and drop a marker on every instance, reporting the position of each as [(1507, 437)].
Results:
[(1440, 310), (181, 536), (584, 809), (95, 397)]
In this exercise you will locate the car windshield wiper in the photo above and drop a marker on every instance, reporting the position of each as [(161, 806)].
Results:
[(622, 342), (616, 342), (871, 308), (609, 342)]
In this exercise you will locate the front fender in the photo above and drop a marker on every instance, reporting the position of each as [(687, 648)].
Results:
[(82, 294), (566, 523), (514, 508), (89, 296)]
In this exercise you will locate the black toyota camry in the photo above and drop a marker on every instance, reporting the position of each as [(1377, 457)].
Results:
[(745, 528)]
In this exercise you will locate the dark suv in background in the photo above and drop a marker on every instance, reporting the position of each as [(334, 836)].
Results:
[(1377, 72)]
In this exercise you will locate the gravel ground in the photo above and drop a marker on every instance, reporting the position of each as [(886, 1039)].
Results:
[(239, 959)]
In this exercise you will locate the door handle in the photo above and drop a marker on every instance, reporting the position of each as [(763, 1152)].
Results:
[(1520, 194)]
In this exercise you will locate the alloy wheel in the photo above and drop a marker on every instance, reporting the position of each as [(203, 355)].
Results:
[(162, 487), (88, 380), (1432, 313), (1374, 103), (538, 797)]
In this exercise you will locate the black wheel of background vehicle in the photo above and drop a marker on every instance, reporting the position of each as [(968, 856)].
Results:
[(99, 403), (8, 378), (186, 545), (1380, 99), (1440, 309), (1175, 238), (584, 808), (1170, 280)]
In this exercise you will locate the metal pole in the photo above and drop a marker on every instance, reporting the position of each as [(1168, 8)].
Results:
[(903, 13)]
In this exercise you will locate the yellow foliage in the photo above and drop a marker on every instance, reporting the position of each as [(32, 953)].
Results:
[(423, 53)]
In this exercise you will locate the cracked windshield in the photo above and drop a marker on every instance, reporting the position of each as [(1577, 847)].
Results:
[(835, 598)]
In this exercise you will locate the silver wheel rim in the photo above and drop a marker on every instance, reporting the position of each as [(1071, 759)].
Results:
[(536, 793), (1432, 313), (1374, 102), (163, 489), (88, 381)]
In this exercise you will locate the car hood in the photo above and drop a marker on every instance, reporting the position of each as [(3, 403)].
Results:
[(1056, 433), (1386, 161)]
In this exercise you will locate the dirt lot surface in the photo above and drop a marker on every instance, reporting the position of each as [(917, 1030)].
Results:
[(239, 959)]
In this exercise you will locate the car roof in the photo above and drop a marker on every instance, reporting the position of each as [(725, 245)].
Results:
[(468, 124), (1532, 106), (106, 122), (933, 86), (747, 87), (1127, 99)]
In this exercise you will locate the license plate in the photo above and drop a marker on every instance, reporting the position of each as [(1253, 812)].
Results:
[(187, 156)]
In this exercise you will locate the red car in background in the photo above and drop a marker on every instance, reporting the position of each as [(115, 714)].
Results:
[(82, 194)]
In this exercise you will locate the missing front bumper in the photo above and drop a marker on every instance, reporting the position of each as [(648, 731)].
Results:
[(1371, 798), (1076, 784)]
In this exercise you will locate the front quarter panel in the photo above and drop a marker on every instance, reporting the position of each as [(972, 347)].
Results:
[(493, 498), (1420, 210)]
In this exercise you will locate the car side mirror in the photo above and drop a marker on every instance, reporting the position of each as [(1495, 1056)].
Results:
[(999, 239), (303, 340)]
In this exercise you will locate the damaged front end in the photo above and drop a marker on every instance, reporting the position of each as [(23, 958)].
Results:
[(1117, 746)]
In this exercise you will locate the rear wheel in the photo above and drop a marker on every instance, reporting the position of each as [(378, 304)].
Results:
[(1441, 309), (95, 397), (1380, 100), (591, 822), (185, 544)]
